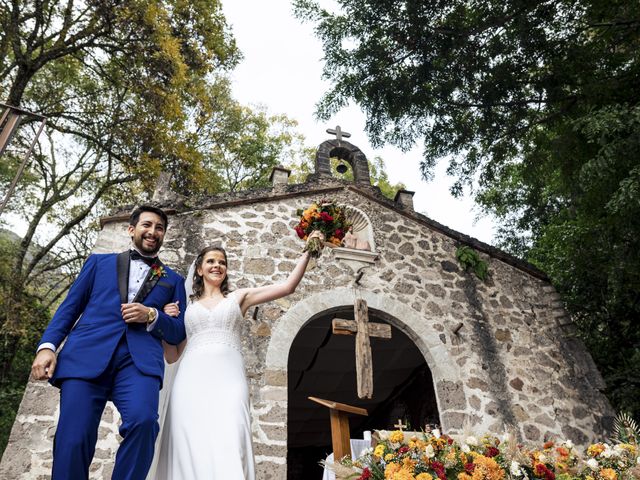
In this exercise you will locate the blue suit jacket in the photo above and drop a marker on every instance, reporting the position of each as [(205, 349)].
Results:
[(95, 298)]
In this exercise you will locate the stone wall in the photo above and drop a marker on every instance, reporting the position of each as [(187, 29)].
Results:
[(514, 361)]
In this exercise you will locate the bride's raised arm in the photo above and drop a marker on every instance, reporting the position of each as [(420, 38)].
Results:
[(248, 297)]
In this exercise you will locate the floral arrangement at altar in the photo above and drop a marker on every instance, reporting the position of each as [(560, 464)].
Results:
[(325, 216), (434, 456)]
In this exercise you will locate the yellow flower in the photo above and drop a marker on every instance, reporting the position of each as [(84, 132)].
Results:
[(486, 469), (417, 443), (629, 448), (595, 449), (391, 469), (608, 474), (408, 464), (404, 475), (388, 457), (424, 476), (396, 436), (464, 476)]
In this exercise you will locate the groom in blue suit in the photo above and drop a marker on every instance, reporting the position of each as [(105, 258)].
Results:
[(113, 323)]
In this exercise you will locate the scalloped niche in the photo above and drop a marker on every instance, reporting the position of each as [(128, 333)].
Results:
[(363, 231)]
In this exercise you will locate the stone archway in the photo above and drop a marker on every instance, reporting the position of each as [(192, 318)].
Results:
[(416, 326), (418, 329)]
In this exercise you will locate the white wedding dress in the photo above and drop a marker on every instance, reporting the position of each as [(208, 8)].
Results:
[(206, 434)]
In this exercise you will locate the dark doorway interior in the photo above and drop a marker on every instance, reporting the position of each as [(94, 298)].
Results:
[(323, 365)]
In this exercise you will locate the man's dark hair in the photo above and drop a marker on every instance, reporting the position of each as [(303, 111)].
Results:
[(135, 215)]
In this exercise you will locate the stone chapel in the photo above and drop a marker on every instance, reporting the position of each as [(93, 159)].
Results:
[(465, 354)]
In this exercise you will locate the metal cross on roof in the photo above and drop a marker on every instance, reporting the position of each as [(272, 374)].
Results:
[(338, 132)]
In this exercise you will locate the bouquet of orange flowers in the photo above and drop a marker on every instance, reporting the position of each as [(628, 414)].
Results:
[(325, 217)]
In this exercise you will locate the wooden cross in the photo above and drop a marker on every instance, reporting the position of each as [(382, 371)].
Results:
[(400, 426), (363, 330), (338, 133)]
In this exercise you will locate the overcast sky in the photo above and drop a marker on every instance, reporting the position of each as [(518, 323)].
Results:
[(282, 69)]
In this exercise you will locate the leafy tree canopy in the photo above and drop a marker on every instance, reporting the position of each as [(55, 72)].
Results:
[(535, 105), (127, 77), (474, 80)]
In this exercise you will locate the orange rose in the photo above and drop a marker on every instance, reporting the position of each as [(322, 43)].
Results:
[(608, 474)]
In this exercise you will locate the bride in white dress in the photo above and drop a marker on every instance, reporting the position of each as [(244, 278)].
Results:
[(206, 433)]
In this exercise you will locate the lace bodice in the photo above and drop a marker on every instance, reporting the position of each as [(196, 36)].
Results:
[(220, 324)]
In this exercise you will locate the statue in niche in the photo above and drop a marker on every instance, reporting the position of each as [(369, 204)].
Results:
[(350, 240)]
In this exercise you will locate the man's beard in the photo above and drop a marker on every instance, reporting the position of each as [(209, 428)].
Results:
[(138, 242)]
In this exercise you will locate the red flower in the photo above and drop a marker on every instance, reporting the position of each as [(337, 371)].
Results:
[(491, 452), (439, 469), (157, 271), (542, 469), (449, 441), (300, 232), (402, 450), (324, 216), (469, 467), (339, 234), (366, 474)]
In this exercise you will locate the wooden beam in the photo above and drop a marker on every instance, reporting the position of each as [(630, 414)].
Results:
[(364, 362), (349, 327), (342, 407), (340, 435)]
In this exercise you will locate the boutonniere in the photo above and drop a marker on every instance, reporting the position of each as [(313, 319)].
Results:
[(157, 271)]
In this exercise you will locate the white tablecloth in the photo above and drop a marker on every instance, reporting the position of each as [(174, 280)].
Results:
[(357, 447)]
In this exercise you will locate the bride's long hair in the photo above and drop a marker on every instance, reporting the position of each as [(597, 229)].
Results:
[(198, 282)]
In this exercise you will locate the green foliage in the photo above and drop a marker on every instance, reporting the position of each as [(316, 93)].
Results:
[(471, 261), (17, 340), (536, 105), (124, 77), (241, 146)]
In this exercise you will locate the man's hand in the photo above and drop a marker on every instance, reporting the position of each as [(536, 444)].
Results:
[(44, 364), (135, 313)]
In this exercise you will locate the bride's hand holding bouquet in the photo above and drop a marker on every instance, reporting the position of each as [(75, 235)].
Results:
[(326, 218), (315, 243)]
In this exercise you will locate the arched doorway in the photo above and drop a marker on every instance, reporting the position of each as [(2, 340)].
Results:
[(322, 364)]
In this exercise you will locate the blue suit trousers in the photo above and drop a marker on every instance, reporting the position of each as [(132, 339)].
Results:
[(82, 402)]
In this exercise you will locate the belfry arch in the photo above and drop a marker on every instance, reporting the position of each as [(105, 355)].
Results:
[(346, 151)]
